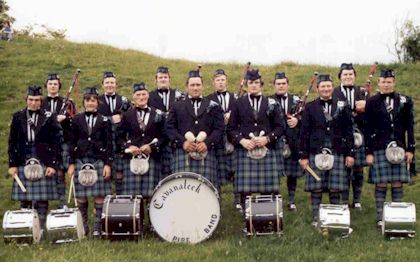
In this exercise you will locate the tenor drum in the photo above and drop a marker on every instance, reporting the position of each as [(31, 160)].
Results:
[(21, 226), (185, 208), (399, 219), (264, 215), (122, 218), (334, 219), (65, 226)]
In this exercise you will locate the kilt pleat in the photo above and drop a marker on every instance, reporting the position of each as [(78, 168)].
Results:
[(334, 179), (384, 172), (256, 176), (141, 184), (102, 187), (181, 162)]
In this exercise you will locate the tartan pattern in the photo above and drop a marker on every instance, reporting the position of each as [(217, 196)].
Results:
[(141, 184), (208, 169), (118, 165), (384, 172), (279, 156), (101, 188), (166, 162), (256, 176), (43, 189), (292, 168), (360, 158), (334, 179), (225, 165), (65, 156)]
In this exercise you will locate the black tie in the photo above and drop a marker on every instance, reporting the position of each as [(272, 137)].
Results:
[(163, 91), (390, 95), (110, 96), (221, 93), (348, 87)]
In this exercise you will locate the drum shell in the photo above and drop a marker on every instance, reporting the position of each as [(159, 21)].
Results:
[(334, 218), (121, 217), (21, 226), (264, 215), (65, 226), (399, 218)]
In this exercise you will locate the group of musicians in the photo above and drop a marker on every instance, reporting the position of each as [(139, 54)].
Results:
[(251, 140)]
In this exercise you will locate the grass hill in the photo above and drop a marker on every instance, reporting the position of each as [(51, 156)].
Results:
[(26, 61)]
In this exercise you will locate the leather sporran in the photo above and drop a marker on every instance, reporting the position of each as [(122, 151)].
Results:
[(139, 165), (358, 138), (257, 153), (394, 153), (286, 151), (324, 161), (88, 175), (33, 170)]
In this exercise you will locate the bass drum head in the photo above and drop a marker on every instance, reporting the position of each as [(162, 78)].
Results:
[(185, 208)]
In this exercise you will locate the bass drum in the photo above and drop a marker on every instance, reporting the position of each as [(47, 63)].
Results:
[(185, 208)]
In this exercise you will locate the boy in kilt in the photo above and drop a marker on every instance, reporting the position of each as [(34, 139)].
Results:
[(56, 104), (389, 118), (255, 123), (289, 104), (112, 105), (195, 114), (34, 134), (162, 98), (91, 145), (326, 124), (348, 91), (140, 125), (224, 153)]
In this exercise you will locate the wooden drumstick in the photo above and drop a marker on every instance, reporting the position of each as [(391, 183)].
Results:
[(19, 182), (312, 172), (74, 192), (70, 190)]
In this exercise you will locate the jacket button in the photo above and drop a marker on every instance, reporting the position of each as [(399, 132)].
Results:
[(89, 138), (255, 124), (196, 122), (328, 129), (142, 134)]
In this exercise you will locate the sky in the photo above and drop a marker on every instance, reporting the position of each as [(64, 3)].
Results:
[(264, 32)]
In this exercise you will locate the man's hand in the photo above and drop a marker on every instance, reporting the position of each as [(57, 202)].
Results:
[(189, 146), (116, 118), (50, 171), (107, 172), (292, 121), (369, 159), (349, 161), (201, 147), (304, 163), (248, 144), (146, 149), (360, 106), (60, 118), (13, 171)]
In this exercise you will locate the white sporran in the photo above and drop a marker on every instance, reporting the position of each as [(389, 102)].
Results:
[(88, 175), (325, 160), (394, 153), (358, 138), (139, 164), (286, 152), (33, 170), (257, 153)]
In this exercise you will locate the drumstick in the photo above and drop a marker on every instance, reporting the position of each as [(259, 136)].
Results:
[(19, 182), (74, 192), (312, 172), (70, 190), (154, 141)]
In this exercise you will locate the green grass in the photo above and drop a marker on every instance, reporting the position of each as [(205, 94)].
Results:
[(27, 61)]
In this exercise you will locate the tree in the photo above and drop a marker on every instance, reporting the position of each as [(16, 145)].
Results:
[(4, 8), (406, 45)]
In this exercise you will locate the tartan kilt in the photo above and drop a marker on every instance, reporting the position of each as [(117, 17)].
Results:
[(334, 179), (256, 176), (279, 156), (65, 156), (141, 184), (225, 165), (292, 168), (182, 162), (166, 162), (117, 165), (101, 188), (384, 172), (360, 158)]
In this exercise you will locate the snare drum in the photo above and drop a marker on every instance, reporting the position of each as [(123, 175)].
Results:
[(185, 208), (334, 219), (122, 218), (21, 226), (264, 215), (399, 219), (65, 225)]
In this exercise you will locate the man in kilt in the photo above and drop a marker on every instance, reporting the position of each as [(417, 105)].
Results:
[(56, 104), (162, 98), (326, 125), (34, 134), (255, 124), (112, 105), (195, 114), (389, 118), (289, 144), (356, 99), (90, 151), (224, 153), (140, 125)]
